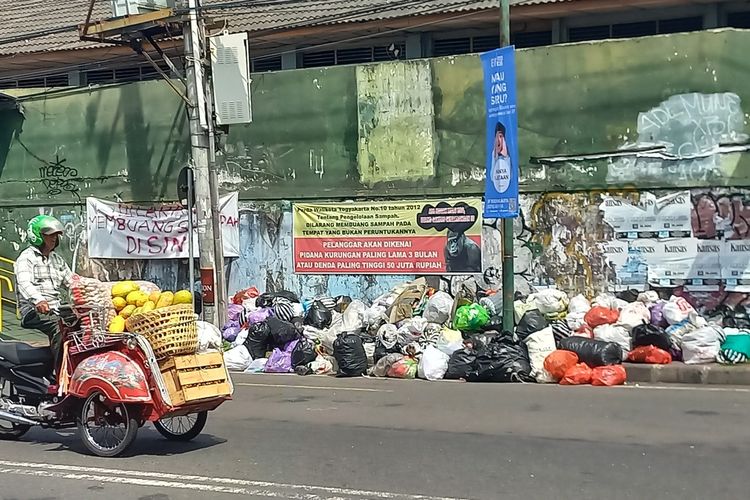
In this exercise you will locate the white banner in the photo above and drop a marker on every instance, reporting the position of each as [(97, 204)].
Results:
[(126, 231), (652, 217)]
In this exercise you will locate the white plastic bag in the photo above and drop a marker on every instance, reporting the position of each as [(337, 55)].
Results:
[(370, 352), (617, 334), (433, 364), (579, 305), (702, 345), (241, 337), (649, 298), (411, 329), (209, 337), (634, 314), (450, 341), (354, 317), (256, 365), (550, 301), (237, 359), (540, 345), (575, 320), (438, 308), (677, 310), (321, 366), (609, 301)]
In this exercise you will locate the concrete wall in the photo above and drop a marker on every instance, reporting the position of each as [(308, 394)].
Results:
[(660, 114)]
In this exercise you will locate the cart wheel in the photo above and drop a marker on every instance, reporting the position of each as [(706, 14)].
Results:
[(8, 430), (182, 428), (106, 428)]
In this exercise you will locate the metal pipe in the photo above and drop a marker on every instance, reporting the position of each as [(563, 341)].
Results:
[(16, 419)]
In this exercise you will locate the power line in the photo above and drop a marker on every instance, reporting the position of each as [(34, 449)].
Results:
[(97, 64)]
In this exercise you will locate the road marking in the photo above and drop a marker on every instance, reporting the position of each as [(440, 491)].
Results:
[(317, 387), (220, 484), (683, 388)]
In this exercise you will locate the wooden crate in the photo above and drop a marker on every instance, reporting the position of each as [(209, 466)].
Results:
[(194, 377)]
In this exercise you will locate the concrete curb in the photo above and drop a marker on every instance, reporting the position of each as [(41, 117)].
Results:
[(680, 373)]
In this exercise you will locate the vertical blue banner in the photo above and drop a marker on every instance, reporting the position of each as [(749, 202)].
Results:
[(501, 184)]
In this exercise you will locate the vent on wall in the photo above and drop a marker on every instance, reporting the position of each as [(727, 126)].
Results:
[(629, 30), (738, 19), (318, 59), (261, 64), (588, 33), (681, 25)]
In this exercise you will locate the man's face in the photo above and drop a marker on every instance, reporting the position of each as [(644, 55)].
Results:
[(51, 241), (499, 142)]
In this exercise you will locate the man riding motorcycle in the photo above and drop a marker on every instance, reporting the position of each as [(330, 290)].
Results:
[(40, 275)]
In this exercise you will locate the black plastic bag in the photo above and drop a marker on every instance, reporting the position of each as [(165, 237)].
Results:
[(496, 323), (480, 340), (628, 295), (342, 302), (318, 316), (264, 300), (290, 296), (258, 338), (531, 322), (303, 353), (593, 352), (651, 335), (298, 323), (350, 355), (282, 332), (461, 363), (381, 350), (502, 361)]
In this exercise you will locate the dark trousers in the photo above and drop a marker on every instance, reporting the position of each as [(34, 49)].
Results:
[(50, 327)]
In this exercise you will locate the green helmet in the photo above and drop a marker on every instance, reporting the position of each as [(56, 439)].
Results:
[(40, 226)]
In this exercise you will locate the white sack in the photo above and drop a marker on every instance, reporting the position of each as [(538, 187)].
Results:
[(237, 359), (433, 364), (579, 305), (617, 334), (209, 337), (438, 308), (702, 345), (550, 301), (634, 314), (540, 345), (676, 310)]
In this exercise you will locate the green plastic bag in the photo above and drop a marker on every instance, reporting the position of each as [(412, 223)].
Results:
[(471, 318)]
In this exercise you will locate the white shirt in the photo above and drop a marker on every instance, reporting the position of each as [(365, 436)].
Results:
[(501, 173)]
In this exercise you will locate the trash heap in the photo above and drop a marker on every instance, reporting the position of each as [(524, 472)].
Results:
[(416, 331)]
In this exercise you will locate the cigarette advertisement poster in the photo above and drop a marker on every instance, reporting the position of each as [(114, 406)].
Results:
[(127, 231), (424, 237), (652, 217)]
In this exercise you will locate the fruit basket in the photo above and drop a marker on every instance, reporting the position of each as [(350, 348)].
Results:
[(171, 331)]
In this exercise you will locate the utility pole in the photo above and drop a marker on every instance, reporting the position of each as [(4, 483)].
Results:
[(199, 145), (507, 227)]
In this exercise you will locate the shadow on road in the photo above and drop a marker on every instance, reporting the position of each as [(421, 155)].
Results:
[(148, 443)]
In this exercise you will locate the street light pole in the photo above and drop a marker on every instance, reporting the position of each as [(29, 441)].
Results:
[(507, 223)]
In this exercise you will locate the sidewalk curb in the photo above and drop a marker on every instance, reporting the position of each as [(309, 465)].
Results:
[(680, 373)]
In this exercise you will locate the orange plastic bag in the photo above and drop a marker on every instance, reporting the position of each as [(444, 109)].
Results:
[(609, 375), (558, 362), (242, 295), (649, 354), (578, 374), (599, 316)]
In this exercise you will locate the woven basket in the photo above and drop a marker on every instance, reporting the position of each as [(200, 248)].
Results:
[(171, 331)]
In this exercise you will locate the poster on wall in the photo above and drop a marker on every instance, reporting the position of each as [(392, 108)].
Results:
[(127, 231), (501, 178), (424, 237), (652, 217), (626, 265), (735, 265)]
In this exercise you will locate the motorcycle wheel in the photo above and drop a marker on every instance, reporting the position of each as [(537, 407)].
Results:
[(106, 428), (8, 430), (182, 428)]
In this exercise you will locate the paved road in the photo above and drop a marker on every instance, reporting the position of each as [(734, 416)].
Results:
[(319, 438)]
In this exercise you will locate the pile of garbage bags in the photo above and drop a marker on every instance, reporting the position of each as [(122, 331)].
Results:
[(415, 331)]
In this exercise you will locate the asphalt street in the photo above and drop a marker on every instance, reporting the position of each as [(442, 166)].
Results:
[(321, 438)]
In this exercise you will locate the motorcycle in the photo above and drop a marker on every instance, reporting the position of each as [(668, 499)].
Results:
[(108, 386)]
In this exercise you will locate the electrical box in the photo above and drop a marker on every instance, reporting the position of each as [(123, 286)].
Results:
[(121, 8), (230, 68)]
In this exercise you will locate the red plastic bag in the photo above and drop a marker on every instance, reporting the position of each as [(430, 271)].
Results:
[(578, 374), (649, 354), (242, 295), (609, 375), (599, 316), (558, 362)]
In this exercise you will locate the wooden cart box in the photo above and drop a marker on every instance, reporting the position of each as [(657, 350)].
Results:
[(194, 377)]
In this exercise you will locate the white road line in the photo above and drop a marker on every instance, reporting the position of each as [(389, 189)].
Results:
[(683, 388), (317, 387), (234, 486)]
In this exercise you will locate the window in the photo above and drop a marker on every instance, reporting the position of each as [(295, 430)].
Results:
[(531, 39), (354, 56), (738, 19), (389, 52), (485, 43), (588, 33), (628, 30), (681, 25), (272, 63), (451, 46), (317, 59)]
